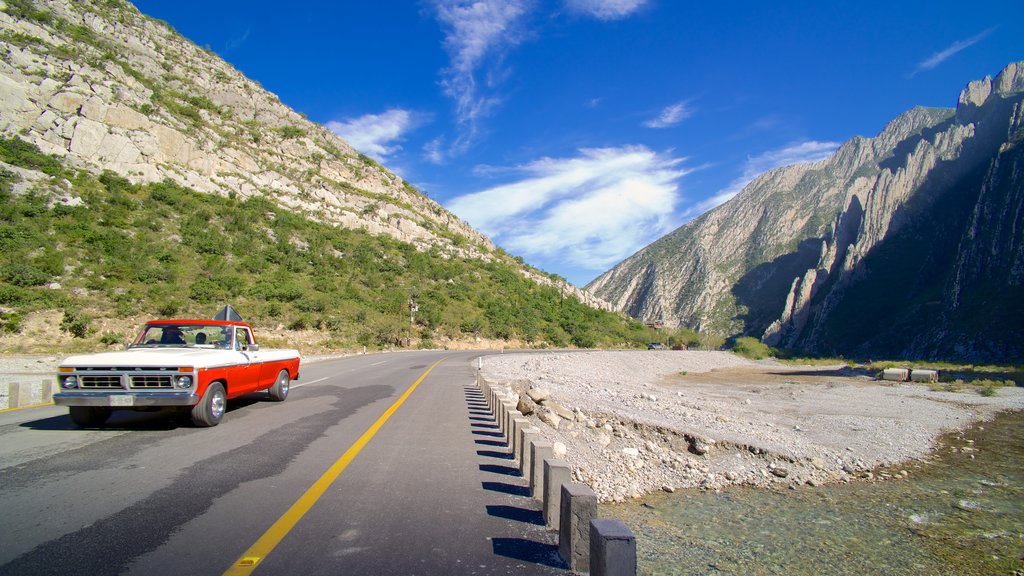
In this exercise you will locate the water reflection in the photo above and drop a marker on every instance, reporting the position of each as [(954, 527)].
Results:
[(962, 514)]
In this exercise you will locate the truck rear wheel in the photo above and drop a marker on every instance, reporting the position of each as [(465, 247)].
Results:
[(89, 416), (279, 391), (210, 408)]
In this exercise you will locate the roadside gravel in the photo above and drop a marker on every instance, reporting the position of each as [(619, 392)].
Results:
[(633, 422)]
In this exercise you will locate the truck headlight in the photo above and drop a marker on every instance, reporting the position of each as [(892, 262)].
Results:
[(69, 382), (183, 381)]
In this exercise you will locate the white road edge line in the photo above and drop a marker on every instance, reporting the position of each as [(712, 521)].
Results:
[(310, 382), (379, 363)]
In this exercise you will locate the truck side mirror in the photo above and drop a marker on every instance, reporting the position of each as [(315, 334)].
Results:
[(254, 347)]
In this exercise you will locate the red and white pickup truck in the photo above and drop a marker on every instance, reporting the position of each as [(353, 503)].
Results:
[(194, 365)]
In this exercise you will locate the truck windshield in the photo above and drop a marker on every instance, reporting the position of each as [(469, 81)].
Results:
[(183, 336)]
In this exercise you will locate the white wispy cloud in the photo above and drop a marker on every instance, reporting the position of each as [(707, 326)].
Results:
[(800, 153), (670, 116), (945, 54), (374, 134), (237, 41), (605, 9), (477, 36), (589, 211)]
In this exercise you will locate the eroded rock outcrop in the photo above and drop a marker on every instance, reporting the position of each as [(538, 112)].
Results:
[(906, 244)]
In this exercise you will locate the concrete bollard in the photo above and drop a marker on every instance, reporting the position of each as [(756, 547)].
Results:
[(12, 395), (526, 436), (505, 408), (556, 473), (539, 451), (924, 375), (578, 508), (19, 394), (510, 414), (895, 374), (518, 425), (48, 391), (612, 549)]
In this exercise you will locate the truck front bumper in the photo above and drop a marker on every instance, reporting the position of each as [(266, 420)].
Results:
[(120, 399)]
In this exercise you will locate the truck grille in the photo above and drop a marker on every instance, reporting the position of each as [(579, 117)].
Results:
[(152, 381), (100, 381)]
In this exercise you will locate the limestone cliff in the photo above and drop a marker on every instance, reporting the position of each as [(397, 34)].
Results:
[(111, 89), (910, 243)]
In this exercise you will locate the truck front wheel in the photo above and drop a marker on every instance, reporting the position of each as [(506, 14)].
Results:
[(88, 416), (210, 408)]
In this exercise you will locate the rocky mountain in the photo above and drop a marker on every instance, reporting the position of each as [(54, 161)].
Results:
[(908, 244), (109, 89)]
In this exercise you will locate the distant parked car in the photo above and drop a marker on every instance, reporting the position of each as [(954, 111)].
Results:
[(655, 346), (679, 347)]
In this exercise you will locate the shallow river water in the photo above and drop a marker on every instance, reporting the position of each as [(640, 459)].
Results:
[(955, 515)]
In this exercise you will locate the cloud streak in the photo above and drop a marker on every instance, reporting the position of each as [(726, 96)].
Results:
[(605, 9), (948, 52), (670, 116), (589, 211), (374, 134), (477, 36)]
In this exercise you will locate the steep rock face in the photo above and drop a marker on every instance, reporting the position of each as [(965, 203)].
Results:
[(110, 89), (906, 244)]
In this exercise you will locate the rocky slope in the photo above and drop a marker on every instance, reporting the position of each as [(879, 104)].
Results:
[(108, 88), (910, 243)]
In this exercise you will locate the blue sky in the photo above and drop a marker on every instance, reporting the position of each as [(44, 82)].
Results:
[(575, 132)]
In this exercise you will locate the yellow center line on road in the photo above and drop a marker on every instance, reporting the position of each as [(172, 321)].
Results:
[(273, 536)]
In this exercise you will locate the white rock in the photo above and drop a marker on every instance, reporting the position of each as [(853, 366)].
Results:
[(558, 449)]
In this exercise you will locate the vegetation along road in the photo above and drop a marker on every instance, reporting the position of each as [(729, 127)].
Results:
[(378, 464)]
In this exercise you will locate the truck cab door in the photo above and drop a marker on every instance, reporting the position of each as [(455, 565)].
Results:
[(249, 371)]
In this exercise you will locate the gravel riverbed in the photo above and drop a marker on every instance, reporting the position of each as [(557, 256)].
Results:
[(634, 422)]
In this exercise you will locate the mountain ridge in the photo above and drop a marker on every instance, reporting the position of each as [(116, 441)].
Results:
[(778, 260), (109, 88)]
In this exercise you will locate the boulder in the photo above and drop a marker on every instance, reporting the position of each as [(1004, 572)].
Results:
[(550, 418), (562, 411), (526, 406), (538, 395)]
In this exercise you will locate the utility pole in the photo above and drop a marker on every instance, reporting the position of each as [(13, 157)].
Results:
[(413, 309)]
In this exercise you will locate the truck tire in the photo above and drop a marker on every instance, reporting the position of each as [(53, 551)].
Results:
[(279, 391), (89, 416), (210, 409)]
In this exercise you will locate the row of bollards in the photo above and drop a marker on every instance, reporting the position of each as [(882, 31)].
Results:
[(602, 547), (23, 394)]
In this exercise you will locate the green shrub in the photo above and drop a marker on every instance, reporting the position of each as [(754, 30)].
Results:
[(288, 132), (752, 348), (75, 323), (111, 338), (10, 323), (25, 154)]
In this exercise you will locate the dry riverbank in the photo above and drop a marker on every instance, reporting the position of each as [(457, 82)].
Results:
[(636, 422)]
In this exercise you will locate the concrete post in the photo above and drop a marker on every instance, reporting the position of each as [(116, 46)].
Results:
[(518, 425), (539, 451), (513, 414), (48, 390), (526, 436), (12, 394), (579, 507), (510, 413), (612, 549), (556, 473), (502, 412)]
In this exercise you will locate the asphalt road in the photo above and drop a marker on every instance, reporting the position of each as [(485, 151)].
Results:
[(433, 491)]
